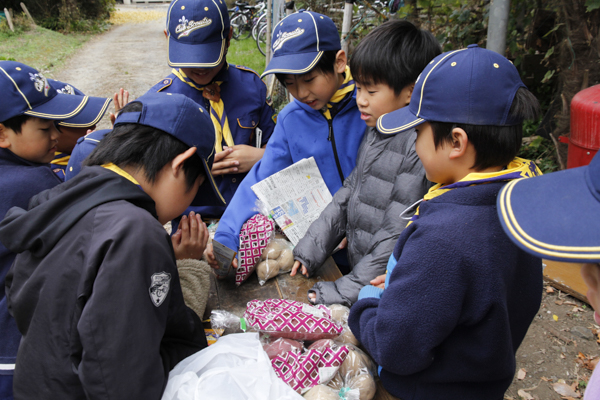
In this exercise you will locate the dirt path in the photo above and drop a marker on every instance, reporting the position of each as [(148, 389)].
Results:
[(562, 338), (132, 56)]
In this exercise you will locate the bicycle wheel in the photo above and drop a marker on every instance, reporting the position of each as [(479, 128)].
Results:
[(262, 20), (239, 23), (261, 40), (245, 28)]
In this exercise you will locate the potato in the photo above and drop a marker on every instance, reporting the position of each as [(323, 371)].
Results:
[(336, 382), (286, 260), (347, 337), (273, 250), (365, 384), (356, 363), (339, 313), (321, 392), (267, 269)]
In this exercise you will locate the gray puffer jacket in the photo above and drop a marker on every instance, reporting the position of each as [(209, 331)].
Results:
[(387, 179)]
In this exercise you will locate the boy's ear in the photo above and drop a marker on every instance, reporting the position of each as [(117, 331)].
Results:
[(177, 163), (460, 142), (340, 61), (166, 34), (4, 140), (406, 93)]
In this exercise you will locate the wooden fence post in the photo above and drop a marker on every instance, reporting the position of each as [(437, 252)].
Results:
[(9, 19), (27, 12)]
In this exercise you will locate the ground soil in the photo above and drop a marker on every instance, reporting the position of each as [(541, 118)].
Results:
[(562, 339)]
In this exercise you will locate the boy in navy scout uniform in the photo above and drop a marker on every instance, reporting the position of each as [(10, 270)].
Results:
[(458, 296), (199, 35), (322, 122), (28, 142), (74, 128), (95, 289)]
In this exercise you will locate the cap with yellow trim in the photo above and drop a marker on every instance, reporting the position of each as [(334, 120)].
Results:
[(198, 32), (299, 41), (26, 91), (554, 216), (90, 115), (471, 86), (184, 119)]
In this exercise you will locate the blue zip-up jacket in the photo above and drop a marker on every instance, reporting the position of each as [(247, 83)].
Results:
[(19, 181), (301, 132), (244, 95), (456, 305)]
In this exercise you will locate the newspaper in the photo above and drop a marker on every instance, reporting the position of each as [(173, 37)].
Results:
[(294, 197)]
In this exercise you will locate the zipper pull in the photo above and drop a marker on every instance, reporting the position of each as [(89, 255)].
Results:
[(330, 129)]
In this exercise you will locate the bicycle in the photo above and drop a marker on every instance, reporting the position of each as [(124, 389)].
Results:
[(243, 20)]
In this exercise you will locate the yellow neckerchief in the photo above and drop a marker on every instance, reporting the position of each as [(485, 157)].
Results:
[(60, 158), (346, 87), (121, 172), (217, 113), (517, 169)]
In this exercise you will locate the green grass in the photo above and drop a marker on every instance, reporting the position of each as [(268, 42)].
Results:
[(38, 47), (244, 52)]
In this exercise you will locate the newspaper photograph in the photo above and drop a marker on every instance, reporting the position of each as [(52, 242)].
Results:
[(294, 197)]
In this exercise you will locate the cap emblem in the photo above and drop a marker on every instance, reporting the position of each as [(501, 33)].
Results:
[(283, 37), (40, 82), (66, 90), (186, 27)]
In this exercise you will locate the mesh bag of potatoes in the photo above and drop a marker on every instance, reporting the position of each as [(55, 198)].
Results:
[(277, 258), (339, 313), (355, 379)]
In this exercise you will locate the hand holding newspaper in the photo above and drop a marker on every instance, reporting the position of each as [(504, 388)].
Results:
[(295, 197)]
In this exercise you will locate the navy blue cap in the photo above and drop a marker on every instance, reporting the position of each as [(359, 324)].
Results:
[(90, 115), (470, 86), (554, 216), (85, 145), (299, 41), (26, 91), (183, 118), (198, 31)]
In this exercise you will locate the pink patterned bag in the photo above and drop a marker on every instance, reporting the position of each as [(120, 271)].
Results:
[(291, 319), (301, 371), (254, 237)]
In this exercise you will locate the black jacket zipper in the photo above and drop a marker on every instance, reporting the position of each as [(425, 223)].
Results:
[(331, 138)]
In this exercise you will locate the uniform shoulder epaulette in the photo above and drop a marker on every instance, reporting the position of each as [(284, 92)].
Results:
[(165, 84), (243, 68)]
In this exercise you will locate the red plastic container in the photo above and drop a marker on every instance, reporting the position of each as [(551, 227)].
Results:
[(584, 140)]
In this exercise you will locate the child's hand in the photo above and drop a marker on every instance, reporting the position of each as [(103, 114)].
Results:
[(312, 297), (212, 260), (239, 159), (295, 269), (379, 282), (119, 100), (343, 244), (190, 239)]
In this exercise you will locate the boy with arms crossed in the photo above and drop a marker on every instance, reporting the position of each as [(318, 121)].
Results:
[(459, 295), (388, 176), (95, 289)]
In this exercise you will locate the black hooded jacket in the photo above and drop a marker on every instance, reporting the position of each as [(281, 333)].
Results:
[(95, 293)]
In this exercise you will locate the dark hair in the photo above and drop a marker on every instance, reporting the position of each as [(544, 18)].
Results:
[(394, 53), (143, 147), (325, 65), (15, 123), (494, 145)]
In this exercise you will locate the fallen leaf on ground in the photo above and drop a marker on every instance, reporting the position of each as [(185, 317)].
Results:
[(521, 374), (549, 289), (565, 390), (523, 394), (555, 317), (588, 362)]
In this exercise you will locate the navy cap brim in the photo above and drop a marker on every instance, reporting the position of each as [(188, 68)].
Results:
[(60, 107), (208, 193), (299, 63), (549, 216), (90, 115), (189, 55), (398, 121)]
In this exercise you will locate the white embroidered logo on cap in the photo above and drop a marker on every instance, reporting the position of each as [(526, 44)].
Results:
[(186, 27), (66, 90), (283, 37), (40, 82), (159, 287)]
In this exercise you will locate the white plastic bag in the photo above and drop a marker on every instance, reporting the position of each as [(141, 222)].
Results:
[(236, 367)]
